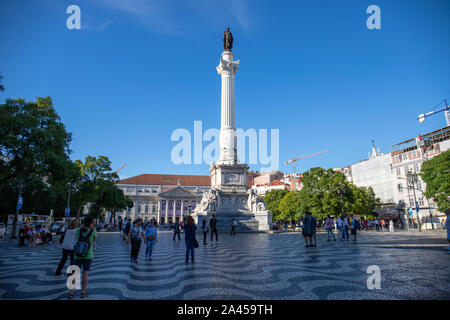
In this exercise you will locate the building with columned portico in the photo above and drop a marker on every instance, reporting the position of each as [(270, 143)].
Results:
[(163, 196)]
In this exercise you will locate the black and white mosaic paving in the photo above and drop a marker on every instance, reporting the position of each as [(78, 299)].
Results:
[(248, 266)]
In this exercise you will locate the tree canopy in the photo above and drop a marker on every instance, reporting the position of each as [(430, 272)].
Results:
[(35, 162), (273, 199), (436, 174), (324, 192)]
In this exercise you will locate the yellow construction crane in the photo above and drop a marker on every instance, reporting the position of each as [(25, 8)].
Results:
[(304, 157)]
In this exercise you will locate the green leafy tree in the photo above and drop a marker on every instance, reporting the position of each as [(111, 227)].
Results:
[(289, 206), (110, 199), (273, 199), (324, 192), (2, 87), (436, 174), (33, 143), (364, 201), (94, 172)]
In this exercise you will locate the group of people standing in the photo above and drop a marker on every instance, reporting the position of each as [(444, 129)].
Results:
[(137, 232), (343, 224)]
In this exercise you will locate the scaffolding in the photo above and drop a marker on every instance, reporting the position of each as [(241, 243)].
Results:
[(433, 137)]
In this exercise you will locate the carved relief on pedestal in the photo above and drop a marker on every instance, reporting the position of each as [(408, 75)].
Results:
[(254, 203), (209, 201), (231, 178)]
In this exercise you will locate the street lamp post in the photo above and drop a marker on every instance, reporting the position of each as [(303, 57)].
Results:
[(68, 202), (411, 178)]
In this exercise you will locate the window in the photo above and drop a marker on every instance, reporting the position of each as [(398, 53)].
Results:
[(399, 174), (416, 167), (138, 208), (400, 187), (405, 156), (146, 208), (421, 203), (419, 184)]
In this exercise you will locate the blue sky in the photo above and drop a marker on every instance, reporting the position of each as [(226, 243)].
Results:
[(138, 70)]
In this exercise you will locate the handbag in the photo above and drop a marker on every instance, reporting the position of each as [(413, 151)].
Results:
[(195, 243)]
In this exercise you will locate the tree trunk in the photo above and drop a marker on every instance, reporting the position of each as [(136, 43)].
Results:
[(16, 215)]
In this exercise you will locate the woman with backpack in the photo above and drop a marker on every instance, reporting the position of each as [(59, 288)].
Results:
[(67, 240), (150, 238), (190, 230), (136, 234), (83, 252)]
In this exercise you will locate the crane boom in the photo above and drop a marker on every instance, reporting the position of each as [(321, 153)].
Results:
[(446, 110), (304, 157)]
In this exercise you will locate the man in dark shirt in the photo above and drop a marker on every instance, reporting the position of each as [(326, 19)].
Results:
[(213, 228), (176, 228)]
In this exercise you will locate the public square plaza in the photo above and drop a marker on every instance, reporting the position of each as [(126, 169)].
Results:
[(249, 266)]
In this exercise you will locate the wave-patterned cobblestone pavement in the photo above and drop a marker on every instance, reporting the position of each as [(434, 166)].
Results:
[(248, 266)]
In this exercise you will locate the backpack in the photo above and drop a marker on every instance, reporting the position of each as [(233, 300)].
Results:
[(135, 234), (83, 245), (127, 227), (357, 224)]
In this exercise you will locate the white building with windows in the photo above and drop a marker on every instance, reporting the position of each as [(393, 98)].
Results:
[(163, 197), (408, 156), (374, 172)]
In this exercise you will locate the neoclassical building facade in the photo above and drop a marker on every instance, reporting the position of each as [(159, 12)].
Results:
[(163, 196)]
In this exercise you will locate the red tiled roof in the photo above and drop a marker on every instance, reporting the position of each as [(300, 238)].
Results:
[(168, 179), (276, 183)]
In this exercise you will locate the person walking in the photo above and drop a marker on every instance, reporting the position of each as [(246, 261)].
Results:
[(205, 230), (307, 229), (344, 227), (314, 227), (126, 229), (151, 238), (329, 227), (83, 252), (233, 227), (135, 235), (120, 223), (447, 226), (190, 229), (176, 228), (354, 226), (213, 228), (377, 225), (339, 226), (67, 240)]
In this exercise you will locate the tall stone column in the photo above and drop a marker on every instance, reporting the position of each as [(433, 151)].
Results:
[(166, 220), (227, 70)]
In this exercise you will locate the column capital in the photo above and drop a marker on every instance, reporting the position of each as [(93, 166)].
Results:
[(227, 66)]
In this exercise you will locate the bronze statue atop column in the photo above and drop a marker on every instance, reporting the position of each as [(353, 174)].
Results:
[(227, 40)]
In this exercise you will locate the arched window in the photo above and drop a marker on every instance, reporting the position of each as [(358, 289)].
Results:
[(146, 208)]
